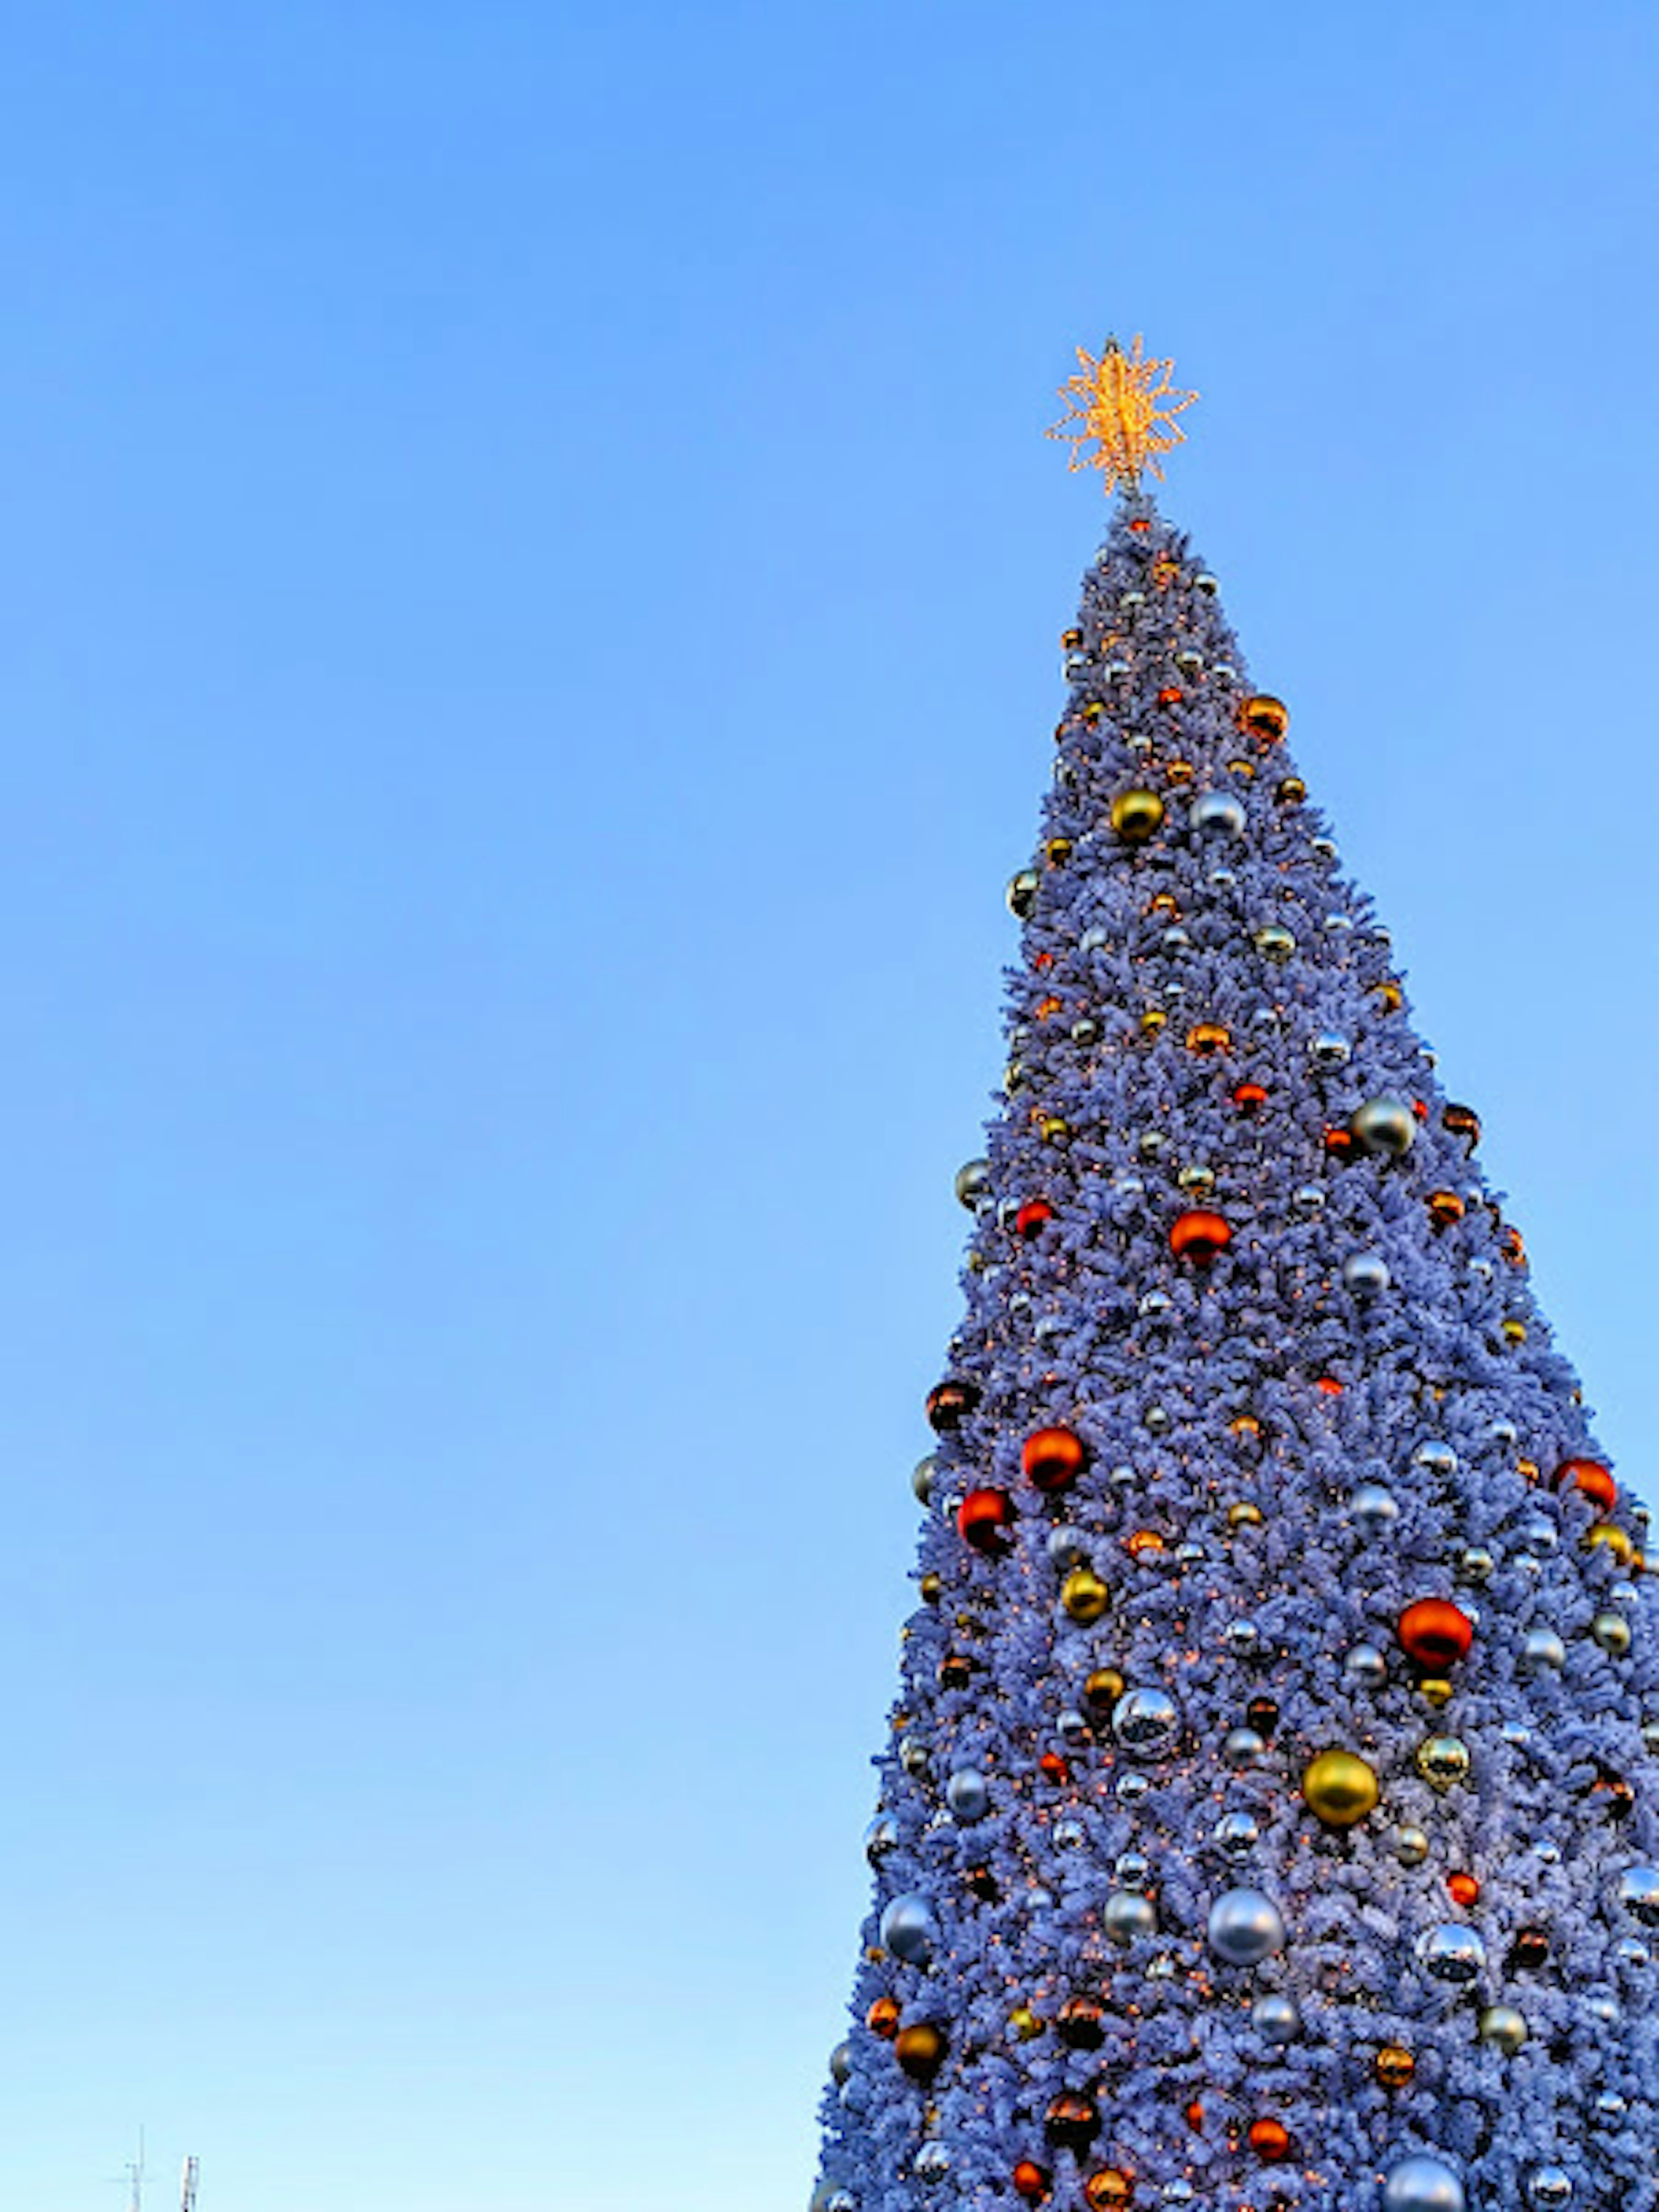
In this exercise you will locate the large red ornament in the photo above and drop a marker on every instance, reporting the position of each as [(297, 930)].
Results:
[(1463, 1889), (950, 1402), (1032, 1216), (984, 1521), (1030, 2182), (1053, 1458), (1435, 1633), (1198, 1235), (1591, 1480), (1270, 2139)]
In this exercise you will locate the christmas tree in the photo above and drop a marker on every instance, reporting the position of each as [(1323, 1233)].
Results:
[(1270, 1815)]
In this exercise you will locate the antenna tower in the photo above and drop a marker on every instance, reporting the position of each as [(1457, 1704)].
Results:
[(187, 2184)]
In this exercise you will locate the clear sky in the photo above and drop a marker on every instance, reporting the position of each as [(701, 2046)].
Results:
[(530, 584)]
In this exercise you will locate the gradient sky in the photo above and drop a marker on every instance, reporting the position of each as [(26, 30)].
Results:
[(530, 582)]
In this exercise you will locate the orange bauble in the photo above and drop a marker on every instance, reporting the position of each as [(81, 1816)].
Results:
[(1248, 1096), (920, 2051), (1591, 1480), (984, 1521), (1394, 2066), (1199, 1236), (1445, 1207), (1270, 2139), (1435, 1633), (1030, 2182), (1053, 1768), (1081, 2023), (882, 2018), (1053, 1458), (1107, 2191), (1265, 717), (1462, 1889), (1208, 1037)]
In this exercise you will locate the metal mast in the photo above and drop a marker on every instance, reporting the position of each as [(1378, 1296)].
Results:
[(187, 2184)]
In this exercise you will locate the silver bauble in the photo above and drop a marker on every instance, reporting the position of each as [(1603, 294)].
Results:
[(1322, 848), (932, 2164), (1476, 1565), (1638, 1894), (1422, 2185), (1650, 1734), (1206, 583), (908, 1929), (1131, 1788), (1612, 1632), (1245, 1926), (1236, 1835), (913, 1757), (1128, 1916), (1175, 939), (1117, 672), (1505, 1434), (1157, 1419), (1411, 1846), (1452, 1952), (1023, 892), (973, 1183), (841, 2062), (1132, 1870), (1274, 941), (1338, 925), (1276, 2019), (1067, 1547), (1217, 814), (1504, 2027), (1373, 1509), (1437, 1458), (1069, 1835), (968, 1793), (1365, 1667), (842, 2200), (1085, 1029), (1242, 1747), (1366, 1275), (1635, 1957), (1132, 601), (1542, 1648), (1072, 1728), (1188, 660), (1243, 1638), (1329, 1049), (1386, 1126), (1549, 2187), (921, 1479), (1610, 2108), (880, 1837), (1223, 879), (1146, 1723), (1537, 1534), (1308, 1199)]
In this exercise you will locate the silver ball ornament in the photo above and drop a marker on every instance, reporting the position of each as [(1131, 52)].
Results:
[(880, 1839), (1638, 1893), (1422, 2185), (1131, 1788), (1023, 892), (1373, 1509), (973, 1183), (1503, 2028), (1236, 1835), (1242, 1747), (1245, 1926), (1549, 2187), (1612, 1632), (1437, 1458), (1329, 1049), (1452, 1952), (1366, 1275), (908, 1929), (968, 1793), (913, 1757), (1067, 1547), (1541, 1649), (1217, 814), (1411, 1846), (1128, 1916), (1365, 1667), (932, 2164), (921, 1479), (1276, 2019), (841, 2062), (1146, 1723), (1274, 941), (1069, 1835)]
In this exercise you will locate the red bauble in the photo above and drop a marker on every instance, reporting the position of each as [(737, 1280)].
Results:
[(1053, 1768), (1270, 2139), (1435, 1633), (1462, 1889), (1591, 1480), (1031, 1216), (985, 1520), (1073, 2121), (1463, 1122), (1329, 1385), (1340, 1141), (1053, 1458), (1081, 2023), (1199, 1236), (1248, 1094), (950, 1402), (1030, 2182), (883, 2019)]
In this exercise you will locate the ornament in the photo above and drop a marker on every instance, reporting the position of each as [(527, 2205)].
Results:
[(1072, 2121), (1638, 1894), (880, 1839), (1108, 2190), (1052, 1459), (932, 2164), (1290, 791), (1475, 1565), (973, 1183), (1445, 1207), (1198, 1236), (985, 1522), (1023, 2024), (1443, 1761), (1529, 1950), (1503, 2028), (1265, 717), (1394, 2066), (1083, 1595), (1422, 2185), (1127, 1916), (1136, 815), (1274, 942), (1452, 1952), (1057, 852), (1436, 1458), (968, 1793), (951, 1402), (1373, 1509), (956, 1671), (1102, 1691), (1218, 814), (1242, 1747), (1030, 2182), (908, 1929), (1147, 1723), (983, 1884), (1262, 1714), (1435, 1633), (1023, 892), (1080, 2024), (1270, 2140), (920, 2051), (1276, 2019), (1384, 1127), (1339, 1788), (1245, 1926), (1462, 1121), (1550, 2187), (1591, 1480), (1053, 1768), (1463, 1889), (1033, 1218), (931, 1588), (1411, 1846), (1236, 1835), (1329, 1049), (1366, 1275), (1247, 1097), (1608, 1535), (913, 1756), (1207, 1038), (921, 1479), (1612, 1632), (883, 2019)]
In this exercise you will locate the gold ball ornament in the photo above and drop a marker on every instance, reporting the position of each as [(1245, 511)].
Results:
[(1083, 1595), (1341, 1789), (1023, 2024), (920, 2051), (1265, 717), (1154, 1020), (1608, 1535), (1136, 815), (1443, 1761), (1394, 2066)]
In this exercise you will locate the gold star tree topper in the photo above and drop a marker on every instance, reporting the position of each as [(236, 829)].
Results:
[(1118, 422)]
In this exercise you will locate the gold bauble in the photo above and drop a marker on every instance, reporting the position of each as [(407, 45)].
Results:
[(1292, 790), (1136, 815), (1435, 1690), (1394, 2066), (1243, 1515), (1083, 1595), (1390, 997), (1057, 852), (1104, 1687), (1514, 1332), (1055, 1128), (1443, 1760), (1154, 1020), (1608, 1535), (1340, 1788), (1023, 2024), (920, 2051)]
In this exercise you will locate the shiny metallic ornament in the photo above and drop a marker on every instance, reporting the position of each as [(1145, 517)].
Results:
[(1157, 1420), (1475, 1565), (1542, 1649), (1245, 1926), (1604, 2010), (1276, 2019), (1373, 1509), (1131, 1788), (1503, 2028), (880, 1839), (1422, 2183), (973, 1183), (1068, 1546), (1242, 1747), (1612, 1632), (1452, 1952), (1147, 1723), (1083, 1595), (1217, 814), (1243, 1638), (1610, 2108), (1633, 1956), (1128, 1916), (1411, 1846), (1023, 893), (1366, 1275), (1329, 1049), (1443, 1761), (842, 2200), (1085, 1031), (1550, 2187), (1538, 1535), (913, 1757), (968, 1793), (1340, 1788), (1638, 1893), (1650, 1734), (1223, 879), (908, 1929), (1131, 602), (841, 2062), (1069, 1836), (1274, 942), (1190, 662), (1073, 1729), (922, 1477), (1236, 1835), (932, 2164), (1365, 1667), (1136, 815), (1308, 1199), (1384, 1127), (1436, 1458), (1323, 848)]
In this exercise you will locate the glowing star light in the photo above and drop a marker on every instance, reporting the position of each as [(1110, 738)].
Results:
[(1116, 423)]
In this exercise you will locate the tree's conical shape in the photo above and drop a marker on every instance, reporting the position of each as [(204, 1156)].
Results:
[(1270, 1815)]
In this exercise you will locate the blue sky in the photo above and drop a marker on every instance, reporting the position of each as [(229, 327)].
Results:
[(529, 584)]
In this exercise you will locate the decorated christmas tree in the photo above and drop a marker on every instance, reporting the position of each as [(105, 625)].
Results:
[(1270, 1814)]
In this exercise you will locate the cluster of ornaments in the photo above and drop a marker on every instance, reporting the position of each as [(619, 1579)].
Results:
[(1270, 1817)]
